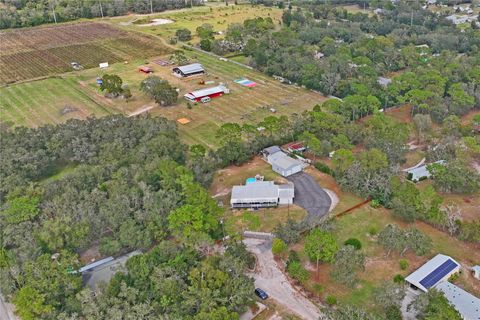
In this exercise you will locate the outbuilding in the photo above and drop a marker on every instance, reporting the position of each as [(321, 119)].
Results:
[(476, 272), (421, 172), (189, 70), (281, 162), (196, 96), (439, 268), (465, 303), (261, 194)]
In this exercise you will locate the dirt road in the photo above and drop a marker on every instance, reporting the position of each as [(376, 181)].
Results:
[(271, 279), (6, 310)]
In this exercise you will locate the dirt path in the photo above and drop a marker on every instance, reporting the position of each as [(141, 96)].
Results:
[(141, 110), (6, 310), (271, 279)]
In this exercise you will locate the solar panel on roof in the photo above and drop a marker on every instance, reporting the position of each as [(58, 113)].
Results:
[(438, 274)]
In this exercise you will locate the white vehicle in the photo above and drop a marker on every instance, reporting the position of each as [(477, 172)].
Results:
[(205, 100)]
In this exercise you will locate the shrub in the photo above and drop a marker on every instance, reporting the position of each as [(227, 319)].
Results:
[(403, 264), (393, 313), (279, 247), (373, 230), (292, 257), (322, 167), (318, 288), (297, 271), (454, 277), (375, 203), (354, 243), (331, 300), (398, 278)]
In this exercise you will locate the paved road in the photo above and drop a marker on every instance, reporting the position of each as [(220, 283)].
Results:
[(270, 278), (309, 195)]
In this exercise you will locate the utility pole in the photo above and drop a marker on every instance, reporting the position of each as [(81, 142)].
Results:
[(101, 9)]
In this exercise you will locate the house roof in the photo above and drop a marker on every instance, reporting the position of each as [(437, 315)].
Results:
[(422, 171), (286, 190), (465, 303), (272, 150), (283, 161), (384, 81), (191, 68), (205, 92), (255, 190), (432, 272)]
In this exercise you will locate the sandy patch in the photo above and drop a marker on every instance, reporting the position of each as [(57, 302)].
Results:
[(156, 22)]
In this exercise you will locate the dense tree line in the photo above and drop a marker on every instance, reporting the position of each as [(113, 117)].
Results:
[(343, 54), (20, 13), (122, 184)]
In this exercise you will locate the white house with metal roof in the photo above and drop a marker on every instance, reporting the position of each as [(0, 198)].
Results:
[(281, 162), (465, 303), (261, 194), (188, 70), (439, 268), (421, 172)]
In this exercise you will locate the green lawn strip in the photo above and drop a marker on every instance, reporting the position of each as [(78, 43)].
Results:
[(9, 111), (74, 90), (26, 111), (36, 97)]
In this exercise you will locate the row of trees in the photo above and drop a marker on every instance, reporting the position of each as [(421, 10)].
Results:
[(16, 14)]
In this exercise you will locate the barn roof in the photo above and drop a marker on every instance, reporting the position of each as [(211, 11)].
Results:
[(191, 68), (432, 272), (465, 303), (205, 92)]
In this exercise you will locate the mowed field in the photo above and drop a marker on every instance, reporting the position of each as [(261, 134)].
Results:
[(42, 51), (46, 101)]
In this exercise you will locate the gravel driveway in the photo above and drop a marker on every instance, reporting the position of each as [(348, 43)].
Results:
[(271, 279), (309, 195)]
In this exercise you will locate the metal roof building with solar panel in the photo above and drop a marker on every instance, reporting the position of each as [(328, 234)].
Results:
[(439, 268)]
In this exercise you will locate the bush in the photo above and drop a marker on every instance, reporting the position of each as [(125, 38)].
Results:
[(403, 264), (331, 300), (318, 288), (322, 167), (373, 230), (279, 247), (354, 243), (292, 257), (297, 271), (393, 313), (375, 203), (454, 277), (398, 278), (183, 34)]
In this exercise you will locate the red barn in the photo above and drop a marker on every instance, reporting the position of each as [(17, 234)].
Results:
[(196, 96)]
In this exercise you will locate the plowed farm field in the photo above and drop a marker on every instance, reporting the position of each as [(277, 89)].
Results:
[(43, 51)]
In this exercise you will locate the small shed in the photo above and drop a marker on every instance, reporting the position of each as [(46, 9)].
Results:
[(476, 271), (145, 69)]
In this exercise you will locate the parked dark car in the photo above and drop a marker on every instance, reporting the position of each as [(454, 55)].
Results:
[(261, 294)]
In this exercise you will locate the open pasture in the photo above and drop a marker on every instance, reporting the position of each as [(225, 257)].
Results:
[(46, 101), (216, 14), (37, 52)]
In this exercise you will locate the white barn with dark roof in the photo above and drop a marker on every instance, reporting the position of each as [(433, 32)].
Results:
[(439, 268)]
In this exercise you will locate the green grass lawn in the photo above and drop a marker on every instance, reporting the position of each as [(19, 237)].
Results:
[(52, 100)]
